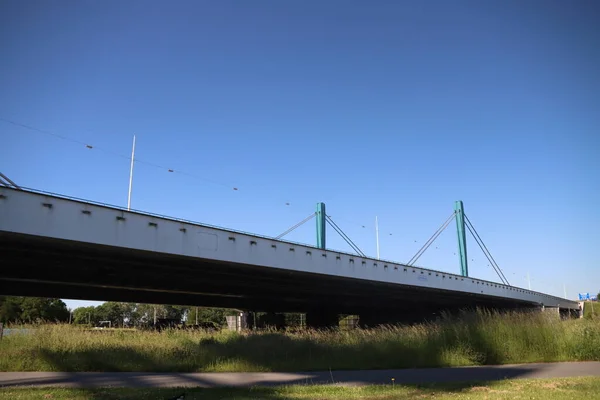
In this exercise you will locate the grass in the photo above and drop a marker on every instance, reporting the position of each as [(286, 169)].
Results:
[(547, 389), (478, 339), (591, 309)]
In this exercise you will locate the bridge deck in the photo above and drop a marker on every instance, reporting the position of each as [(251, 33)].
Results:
[(87, 250)]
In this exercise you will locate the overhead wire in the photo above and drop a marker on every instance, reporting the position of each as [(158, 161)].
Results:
[(358, 224), (63, 137), (116, 154), (383, 232)]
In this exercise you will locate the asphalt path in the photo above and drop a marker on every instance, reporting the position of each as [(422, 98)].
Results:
[(247, 379)]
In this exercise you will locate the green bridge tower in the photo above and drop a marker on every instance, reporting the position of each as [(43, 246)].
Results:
[(462, 237)]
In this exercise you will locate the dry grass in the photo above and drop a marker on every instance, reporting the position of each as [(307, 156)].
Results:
[(482, 338)]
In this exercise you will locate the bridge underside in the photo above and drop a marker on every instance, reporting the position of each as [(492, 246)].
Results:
[(38, 266)]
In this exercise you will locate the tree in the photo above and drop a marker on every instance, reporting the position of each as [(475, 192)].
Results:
[(33, 309), (216, 316), (138, 314), (10, 309), (130, 313), (111, 311), (85, 315), (39, 309), (174, 312), (145, 313)]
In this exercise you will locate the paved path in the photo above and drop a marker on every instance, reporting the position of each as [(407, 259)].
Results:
[(245, 379)]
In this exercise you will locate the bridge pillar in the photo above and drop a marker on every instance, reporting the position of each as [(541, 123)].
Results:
[(462, 238), (271, 320), (373, 319), (322, 319), (321, 227), (564, 313), (554, 311)]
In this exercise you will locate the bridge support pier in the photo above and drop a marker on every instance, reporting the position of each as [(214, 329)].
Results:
[(373, 319), (322, 319), (554, 311), (567, 313), (271, 320)]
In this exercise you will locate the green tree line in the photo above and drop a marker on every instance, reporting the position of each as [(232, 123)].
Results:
[(139, 315), (32, 309), (14, 309)]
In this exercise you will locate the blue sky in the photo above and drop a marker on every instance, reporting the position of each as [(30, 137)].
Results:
[(386, 108)]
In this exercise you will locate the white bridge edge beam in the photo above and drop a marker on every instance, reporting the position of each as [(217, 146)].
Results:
[(54, 216)]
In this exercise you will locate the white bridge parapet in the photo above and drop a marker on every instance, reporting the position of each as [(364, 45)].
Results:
[(53, 216)]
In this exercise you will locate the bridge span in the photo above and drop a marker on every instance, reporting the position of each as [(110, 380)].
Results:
[(57, 246)]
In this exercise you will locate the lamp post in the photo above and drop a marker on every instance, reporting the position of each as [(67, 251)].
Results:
[(131, 175)]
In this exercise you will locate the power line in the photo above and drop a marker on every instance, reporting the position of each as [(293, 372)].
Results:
[(126, 157), (63, 137)]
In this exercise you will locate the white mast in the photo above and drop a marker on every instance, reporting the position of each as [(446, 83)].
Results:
[(131, 174), (377, 235)]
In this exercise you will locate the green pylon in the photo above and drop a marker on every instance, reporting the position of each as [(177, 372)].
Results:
[(321, 225), (462, 237)]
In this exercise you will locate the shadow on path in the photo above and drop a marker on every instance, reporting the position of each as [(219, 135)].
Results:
[(421, 376)]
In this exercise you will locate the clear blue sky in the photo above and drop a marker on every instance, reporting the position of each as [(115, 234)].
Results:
[(387, 108)]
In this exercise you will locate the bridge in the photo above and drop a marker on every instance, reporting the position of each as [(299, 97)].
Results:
[(57, 246)]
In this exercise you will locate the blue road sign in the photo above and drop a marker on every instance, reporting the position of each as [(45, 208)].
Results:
[(584, 296)]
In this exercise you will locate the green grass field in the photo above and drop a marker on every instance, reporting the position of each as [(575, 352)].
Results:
[(482, 338), (547, 389)]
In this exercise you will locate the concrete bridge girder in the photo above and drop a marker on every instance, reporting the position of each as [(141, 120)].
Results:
[(76, 249)]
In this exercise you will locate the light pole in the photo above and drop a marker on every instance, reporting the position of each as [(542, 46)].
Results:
[(131, 174), (377, 235)]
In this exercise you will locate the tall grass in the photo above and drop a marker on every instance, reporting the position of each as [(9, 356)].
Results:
[(481, 338)]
